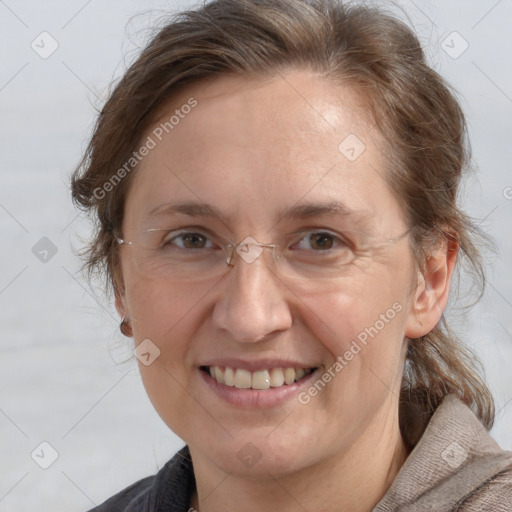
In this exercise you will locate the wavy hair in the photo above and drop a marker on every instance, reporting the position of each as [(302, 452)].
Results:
[(414, 109)]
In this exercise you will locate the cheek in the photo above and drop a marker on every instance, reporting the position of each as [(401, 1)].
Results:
[(169, 316), (157, 309), (362, 327), (362, 308)]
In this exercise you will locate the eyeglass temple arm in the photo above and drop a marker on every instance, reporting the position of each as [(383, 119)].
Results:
[(120, 241)]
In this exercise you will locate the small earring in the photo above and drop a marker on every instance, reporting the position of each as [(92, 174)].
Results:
[(126, 328)]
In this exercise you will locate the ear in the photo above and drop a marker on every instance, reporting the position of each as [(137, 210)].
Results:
[(121, 305), (433, 288), (119, 293)]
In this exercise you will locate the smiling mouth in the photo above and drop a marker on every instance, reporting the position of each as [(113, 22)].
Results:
[(260, 379)]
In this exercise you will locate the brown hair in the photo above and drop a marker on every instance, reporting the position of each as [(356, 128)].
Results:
[(411, 105)]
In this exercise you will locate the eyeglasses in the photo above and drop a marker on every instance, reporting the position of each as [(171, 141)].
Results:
[(197, 254)]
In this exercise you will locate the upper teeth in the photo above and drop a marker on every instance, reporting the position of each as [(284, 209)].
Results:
[(261, 379)]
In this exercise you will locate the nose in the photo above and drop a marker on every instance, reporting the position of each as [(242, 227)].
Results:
[(253, 303)]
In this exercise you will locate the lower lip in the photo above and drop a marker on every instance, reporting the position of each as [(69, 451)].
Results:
[(257, 398)]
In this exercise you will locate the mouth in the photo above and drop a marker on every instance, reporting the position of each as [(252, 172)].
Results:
[(263, 379)]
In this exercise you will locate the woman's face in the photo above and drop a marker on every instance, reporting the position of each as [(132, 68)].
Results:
[(272, 157)]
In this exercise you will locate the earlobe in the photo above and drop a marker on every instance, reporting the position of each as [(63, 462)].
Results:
[(125, 325), (433, 289)]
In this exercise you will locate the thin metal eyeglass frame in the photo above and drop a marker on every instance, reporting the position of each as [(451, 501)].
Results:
[(231, 247)]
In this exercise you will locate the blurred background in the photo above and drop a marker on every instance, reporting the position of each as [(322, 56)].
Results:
[(76, 425)]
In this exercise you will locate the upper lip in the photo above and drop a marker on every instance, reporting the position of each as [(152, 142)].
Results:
[(260, 364)]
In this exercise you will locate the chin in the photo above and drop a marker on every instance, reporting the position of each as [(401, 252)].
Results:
[(258, 454)]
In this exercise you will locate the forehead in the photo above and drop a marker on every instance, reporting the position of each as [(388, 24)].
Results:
[(291, 108), (255, 142)]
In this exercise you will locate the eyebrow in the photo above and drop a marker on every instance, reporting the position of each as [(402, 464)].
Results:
[(192, 209), (304, 211), (362, 218), (298, 211)]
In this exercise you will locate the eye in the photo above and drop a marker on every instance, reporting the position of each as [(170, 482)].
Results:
[(188, 240), (320, 241)]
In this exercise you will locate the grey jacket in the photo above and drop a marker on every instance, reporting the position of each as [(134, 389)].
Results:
[(455, 466)]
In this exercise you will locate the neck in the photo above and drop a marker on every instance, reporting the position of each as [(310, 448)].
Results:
[(355, 480)]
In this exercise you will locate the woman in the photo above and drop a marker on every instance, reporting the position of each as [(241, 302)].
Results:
[(275, 187)]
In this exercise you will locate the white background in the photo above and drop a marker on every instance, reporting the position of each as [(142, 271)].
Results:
[(67, 375)]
